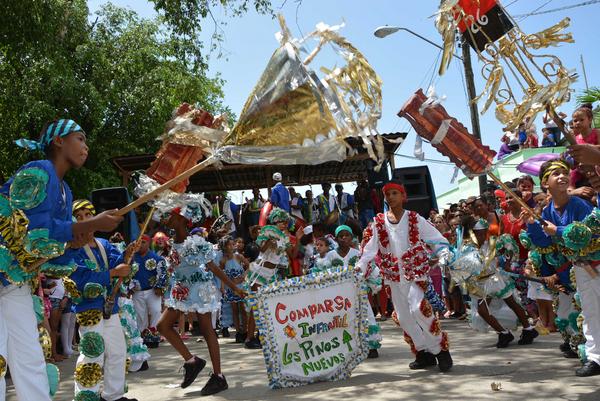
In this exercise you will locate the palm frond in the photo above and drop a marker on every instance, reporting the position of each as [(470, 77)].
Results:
[(590, 95)]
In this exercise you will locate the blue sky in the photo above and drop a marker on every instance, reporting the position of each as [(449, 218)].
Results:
[(404, 62)]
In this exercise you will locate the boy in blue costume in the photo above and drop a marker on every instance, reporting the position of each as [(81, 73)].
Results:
[(102, 341), (561, 212), (35, 220), (150, 280)]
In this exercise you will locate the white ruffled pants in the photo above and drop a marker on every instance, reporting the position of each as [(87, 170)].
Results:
[(589, 293), (20, 346), (416, 316), (112, 360)]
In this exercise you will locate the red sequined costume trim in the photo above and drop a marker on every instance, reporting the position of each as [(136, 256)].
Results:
[(425, 308), (410, 342), (435, 328), (444, 344)]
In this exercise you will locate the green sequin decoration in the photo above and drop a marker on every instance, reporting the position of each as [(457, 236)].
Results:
[(37, 243), (577, 236), (28, 188), (5, 207), (93, 290), (555, 259), (92, 265), (38, 308), (507, 243), (87, 395), (14, 273), (536, 258), (524, 239), (58, 271), (592, 221), (278, 215), (53, 378), (91, 344), (6, 258)]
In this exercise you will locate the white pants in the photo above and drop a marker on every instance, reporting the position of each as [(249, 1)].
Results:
[(589, 292), (147, 303), (416, 316), (112, 360), (564, 309), (20, 346)]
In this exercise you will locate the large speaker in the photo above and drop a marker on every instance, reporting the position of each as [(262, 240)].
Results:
[(116, 198), (377, 179), (419, 188)]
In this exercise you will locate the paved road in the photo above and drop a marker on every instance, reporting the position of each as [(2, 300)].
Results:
[(534, 372)]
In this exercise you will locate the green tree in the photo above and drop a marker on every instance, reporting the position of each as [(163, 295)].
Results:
[(592, 96), (118, 75)]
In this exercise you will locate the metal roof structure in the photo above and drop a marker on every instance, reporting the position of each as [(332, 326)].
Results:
[(231, 177)]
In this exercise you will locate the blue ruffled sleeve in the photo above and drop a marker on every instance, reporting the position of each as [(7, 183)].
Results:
[(538, 237), (52, 210)]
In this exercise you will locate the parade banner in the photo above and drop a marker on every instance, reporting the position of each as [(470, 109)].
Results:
[(313, 328)]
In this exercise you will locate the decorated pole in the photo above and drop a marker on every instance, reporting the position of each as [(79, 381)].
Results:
[(167, 185), (110, 301), (452, 139)]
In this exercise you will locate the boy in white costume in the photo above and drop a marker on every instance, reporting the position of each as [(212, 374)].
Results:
[(399, 236)]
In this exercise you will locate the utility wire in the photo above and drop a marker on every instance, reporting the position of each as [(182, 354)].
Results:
[(585, 3), (534, 11), (511, 3)]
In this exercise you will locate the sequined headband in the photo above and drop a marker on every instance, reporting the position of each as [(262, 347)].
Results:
[(83, 204), (555, 165)]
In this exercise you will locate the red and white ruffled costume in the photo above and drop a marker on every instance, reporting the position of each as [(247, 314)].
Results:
[(404, 266)]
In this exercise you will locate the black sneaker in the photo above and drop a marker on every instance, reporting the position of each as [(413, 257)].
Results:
[(527, 336), (214, 385), (121, 399), (253, 344), (444, 361), (144, 366), (569, 353), (373, 353), (590, 368), (225, 333), (423, 360), (191, 371), (240, 337), (504, 339), (564, 347)]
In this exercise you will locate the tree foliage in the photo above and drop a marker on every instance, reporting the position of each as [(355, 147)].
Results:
[(592, 96), (188, 18), (118, 75)]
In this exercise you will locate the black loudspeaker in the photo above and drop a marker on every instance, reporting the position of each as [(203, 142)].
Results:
[(113, 198), (377, 179), (419, 189)]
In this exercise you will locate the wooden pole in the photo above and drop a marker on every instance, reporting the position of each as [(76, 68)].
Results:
[(516, 198), (110, 301), (176, 180), (472, 92)]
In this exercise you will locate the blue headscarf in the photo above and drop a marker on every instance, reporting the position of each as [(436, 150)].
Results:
[(57, 128)]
